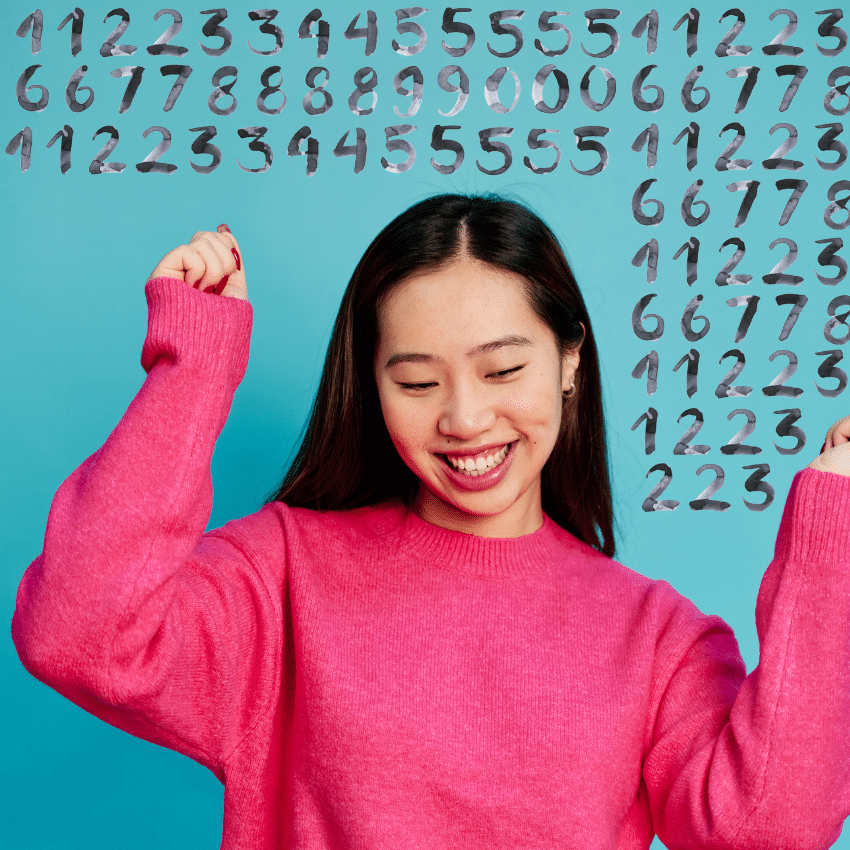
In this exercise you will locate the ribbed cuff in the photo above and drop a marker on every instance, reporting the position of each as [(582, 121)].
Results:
[(196, 328), (816, 522)]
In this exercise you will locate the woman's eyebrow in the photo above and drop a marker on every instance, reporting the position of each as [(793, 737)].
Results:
[(484, 348)]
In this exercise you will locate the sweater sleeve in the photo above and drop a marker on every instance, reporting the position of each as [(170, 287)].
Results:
[(131, 611), (772, 771)]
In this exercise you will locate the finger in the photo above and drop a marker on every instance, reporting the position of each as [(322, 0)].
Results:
[(182, 262), (228, 278), (236, 284), (218, 260)]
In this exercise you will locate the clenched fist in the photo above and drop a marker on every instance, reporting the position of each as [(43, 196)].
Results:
[(210, 262)]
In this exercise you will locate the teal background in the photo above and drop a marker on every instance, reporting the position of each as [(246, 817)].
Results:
[(77, 249)]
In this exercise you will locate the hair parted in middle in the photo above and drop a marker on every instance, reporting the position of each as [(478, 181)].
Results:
[(347, 459)]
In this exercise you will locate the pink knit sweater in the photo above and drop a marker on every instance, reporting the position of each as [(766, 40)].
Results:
[(366, 680)]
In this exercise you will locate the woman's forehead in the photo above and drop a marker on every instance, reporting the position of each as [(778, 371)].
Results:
[(459, 306)]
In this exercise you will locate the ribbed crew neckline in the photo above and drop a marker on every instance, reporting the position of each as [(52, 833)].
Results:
[(487, 557)]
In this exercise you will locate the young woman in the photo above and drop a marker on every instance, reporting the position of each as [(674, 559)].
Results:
[(422, 641)]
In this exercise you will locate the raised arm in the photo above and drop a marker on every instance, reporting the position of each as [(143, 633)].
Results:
[(772, 771), (130, 611)]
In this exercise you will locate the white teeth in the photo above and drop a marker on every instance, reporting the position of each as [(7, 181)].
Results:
[(473, 467)]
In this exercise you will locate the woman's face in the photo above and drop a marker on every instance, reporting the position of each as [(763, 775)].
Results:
[(471, 385)]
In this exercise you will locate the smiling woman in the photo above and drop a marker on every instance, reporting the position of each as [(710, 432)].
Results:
[(422, 640), (452, 274)]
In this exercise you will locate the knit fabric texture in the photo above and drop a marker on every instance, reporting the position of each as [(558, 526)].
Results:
[(366, 680)]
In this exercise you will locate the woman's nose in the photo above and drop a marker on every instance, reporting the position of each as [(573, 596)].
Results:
[(466, 415)]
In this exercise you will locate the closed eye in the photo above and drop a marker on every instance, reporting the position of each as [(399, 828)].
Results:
[(505, 372)]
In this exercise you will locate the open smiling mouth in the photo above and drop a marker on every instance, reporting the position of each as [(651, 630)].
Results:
[(472, 466)]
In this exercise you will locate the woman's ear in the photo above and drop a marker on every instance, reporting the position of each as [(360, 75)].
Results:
[(570, 364)]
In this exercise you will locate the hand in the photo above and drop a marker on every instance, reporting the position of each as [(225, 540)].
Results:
[(835, 455), (211, 262)]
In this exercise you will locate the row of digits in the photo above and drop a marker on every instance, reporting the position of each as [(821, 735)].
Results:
[(303, 143), (366, 83), (313, 25)]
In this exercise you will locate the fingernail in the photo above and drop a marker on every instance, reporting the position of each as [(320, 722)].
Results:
[(236, 256), (222, 228), (217, 288), (823, 448)]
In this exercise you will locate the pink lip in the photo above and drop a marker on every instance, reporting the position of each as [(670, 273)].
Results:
[(479, 482)]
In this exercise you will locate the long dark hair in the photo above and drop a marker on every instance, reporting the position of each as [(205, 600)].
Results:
[(346, 426)]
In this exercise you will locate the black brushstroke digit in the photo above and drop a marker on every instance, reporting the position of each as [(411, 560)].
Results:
[(684, 447), (827, 29), (151, 163), (162, 47), (488, 146), (415, 91), (756, 484), (736, 445), (267, 27), (652, 503), (797, 301), (450, 25), (539, 83), (66, 138), (638, 319), (535, 143), (22, 90), (394, 144), (691, 18), (828, 369), (787, 428), (827, 257), (357, 150), (750, 304), (724, 389), (268, 90), (98, 164), (76, 19), (778, 47), (582, 143), (726, 47), (750, 74), (109, 47), (134, 72), (34, 22), (692, 371), (182, 73), (829, 142), (777, 275), (544, 24), (202, 145), (691, 131), (704, 502), (404, 25), (22, 141), (648, 365), (594, 15), (651, 419), (438, 143), (725, 276), (256, 144), (219, 91), (777, 386), (836, 320), (691, 259)]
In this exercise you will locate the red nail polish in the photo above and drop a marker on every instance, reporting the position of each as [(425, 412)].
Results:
[(238, 261), (217, 288), (222, 228), (823, 448)]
